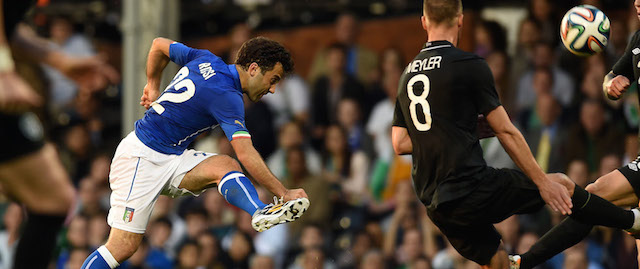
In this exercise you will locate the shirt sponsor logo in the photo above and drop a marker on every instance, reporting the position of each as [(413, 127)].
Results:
[(240, 123), (633, 166)]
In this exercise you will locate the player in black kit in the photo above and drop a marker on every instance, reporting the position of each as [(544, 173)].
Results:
[(30, 171), (440, 95), (621, 186)]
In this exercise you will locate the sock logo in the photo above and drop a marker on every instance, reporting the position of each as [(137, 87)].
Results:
[(128, 214)]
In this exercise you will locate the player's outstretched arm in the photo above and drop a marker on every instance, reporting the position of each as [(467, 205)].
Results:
[(553, 193), (615, 85), (401, 141), (157, 61), (251, 160)]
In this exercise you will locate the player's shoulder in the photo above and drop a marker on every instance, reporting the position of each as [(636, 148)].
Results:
[(635, 38), (459, 55)]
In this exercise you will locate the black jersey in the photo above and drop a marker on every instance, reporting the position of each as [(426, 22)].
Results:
[(440, 95), (629, 64), (14, 11)]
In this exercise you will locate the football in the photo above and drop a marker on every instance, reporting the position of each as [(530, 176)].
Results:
[(585, 30)]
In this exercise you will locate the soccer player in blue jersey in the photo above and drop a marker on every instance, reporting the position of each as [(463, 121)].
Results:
[(154, 159)]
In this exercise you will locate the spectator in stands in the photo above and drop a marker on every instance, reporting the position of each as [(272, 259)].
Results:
[(211, 255), (592, 137), (220, 216), (543, 11), (343, 167), (290, 102), (76, 258), (578, 171), (529, 34), (75, 153), (76, 238), (260, 123), (240, 250), (319, 191), (373, 260), (350, 118), (546, 133), (563, 85), (97, 231), (12, 219), (489, 37), (238, 34), (361, 244), (292, 136), (164, 209), (188, 255), (196, 223), (261, 262), (329, 89), (62, 36), (360, 62), (159, 232), (89, 198)]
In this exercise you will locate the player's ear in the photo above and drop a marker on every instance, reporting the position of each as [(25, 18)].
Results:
[(460, 19), (254, 69), (424, 22)]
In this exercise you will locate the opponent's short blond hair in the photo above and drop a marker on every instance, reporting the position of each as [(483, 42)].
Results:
[(442, 11)]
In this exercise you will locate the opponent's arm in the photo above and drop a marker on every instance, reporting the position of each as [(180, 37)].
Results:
[(90, 72), (251, 160), (157, 61), (401, 141), (15, 95), (514, 143), (615, 85)]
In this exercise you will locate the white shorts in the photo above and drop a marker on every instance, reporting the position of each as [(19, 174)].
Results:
[(138, 175)]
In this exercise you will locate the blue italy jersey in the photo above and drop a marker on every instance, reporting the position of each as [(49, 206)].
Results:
[(205, 93)]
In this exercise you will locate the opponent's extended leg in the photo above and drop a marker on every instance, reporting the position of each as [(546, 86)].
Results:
[(499, 260), (613, 187), (38, 181)]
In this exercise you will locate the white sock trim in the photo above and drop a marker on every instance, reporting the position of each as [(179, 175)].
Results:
[(106, 255), (227, 178), (246, 193), (636, 219)]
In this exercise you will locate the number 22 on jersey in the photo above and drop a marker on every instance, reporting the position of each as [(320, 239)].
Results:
[(179, 81), (419, 100)]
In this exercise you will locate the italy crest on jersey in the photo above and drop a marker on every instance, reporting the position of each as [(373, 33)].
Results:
[(128, 214)]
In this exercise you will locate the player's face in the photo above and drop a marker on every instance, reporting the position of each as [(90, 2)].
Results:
[(636, 4), (261, 84)]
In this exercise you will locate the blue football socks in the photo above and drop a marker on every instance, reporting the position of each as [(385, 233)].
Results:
[(238, 190), (100, 259)]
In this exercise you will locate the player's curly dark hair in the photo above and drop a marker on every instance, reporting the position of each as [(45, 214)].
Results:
[(266, 53)]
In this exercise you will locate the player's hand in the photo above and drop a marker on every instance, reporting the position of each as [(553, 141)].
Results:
[(90, 73), (556, 196), (149, 95), (293, 194), (16, 95), (617, 86)]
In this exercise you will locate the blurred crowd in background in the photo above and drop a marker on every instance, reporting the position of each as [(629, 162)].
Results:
[(328, 131)]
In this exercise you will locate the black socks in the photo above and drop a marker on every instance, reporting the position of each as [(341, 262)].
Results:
[(37, 241)]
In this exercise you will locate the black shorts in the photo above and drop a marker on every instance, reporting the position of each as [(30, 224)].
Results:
[(22, 134), (468, 222), (632, 172)]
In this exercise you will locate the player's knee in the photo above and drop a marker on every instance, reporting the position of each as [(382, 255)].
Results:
[(564, 180), (230, 164), (599, 187), (122, 249)]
